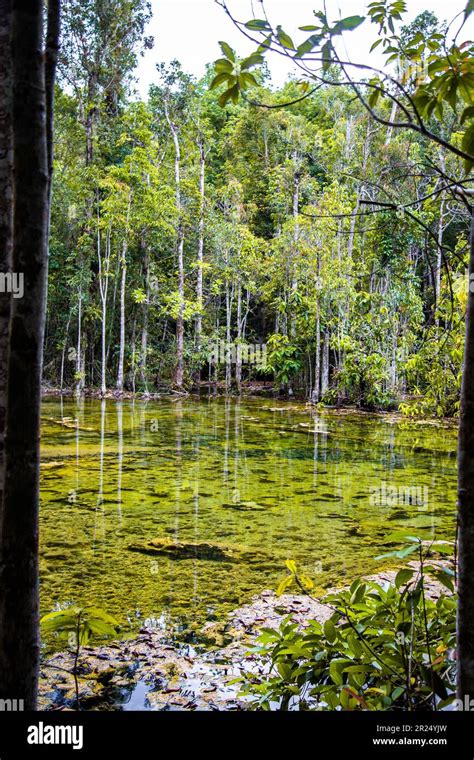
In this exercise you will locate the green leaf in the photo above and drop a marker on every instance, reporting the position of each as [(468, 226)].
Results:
[(330, 631), (468, 9), (101, 627), (284, 584), (253, 60), (403, 576), (223, 65), (355, 647), (351, 22), (468, 146), (466, 90), (62, 620), (432, 679), (284, 39), (374, 97), (291, 565), (468, 113), (227, 50), (397, 692), (247, 80), (442, 548), (219, 79), (306, 581), (258, 25), (96, 613), (308, 45), (265, 44), (326, 52), (335, 673), (358, 594), (404, 535), (231, 94), (408, 550), (388, 555)]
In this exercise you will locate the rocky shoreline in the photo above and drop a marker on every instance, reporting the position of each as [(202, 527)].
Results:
[(152, 672)]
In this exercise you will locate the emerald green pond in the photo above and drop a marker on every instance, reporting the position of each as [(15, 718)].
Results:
[(271, 479)]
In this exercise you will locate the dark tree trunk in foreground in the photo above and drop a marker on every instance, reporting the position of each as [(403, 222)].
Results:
[(465, 624), (6, 211), (32, 137)]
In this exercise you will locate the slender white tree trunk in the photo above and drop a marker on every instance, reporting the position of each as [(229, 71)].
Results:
[(179, 371), (199, 283), (238, 358), (104, 268), (122, 319)]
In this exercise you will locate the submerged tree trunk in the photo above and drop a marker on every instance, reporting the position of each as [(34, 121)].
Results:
[(465, 612), (19, 599)]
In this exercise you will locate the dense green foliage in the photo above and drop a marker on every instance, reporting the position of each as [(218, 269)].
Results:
[(385, 646), (191, 219)]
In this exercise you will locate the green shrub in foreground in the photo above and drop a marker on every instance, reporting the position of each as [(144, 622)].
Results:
[(384, 646)]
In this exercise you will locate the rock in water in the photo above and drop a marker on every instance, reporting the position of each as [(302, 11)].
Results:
[(179, 550)]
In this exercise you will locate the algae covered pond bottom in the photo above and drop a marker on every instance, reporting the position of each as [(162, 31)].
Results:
[(251, 482)]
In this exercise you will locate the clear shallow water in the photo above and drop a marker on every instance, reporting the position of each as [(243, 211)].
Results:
[(260, 476)]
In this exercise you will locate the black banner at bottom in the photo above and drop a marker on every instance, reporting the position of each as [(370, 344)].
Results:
[(121, 734)]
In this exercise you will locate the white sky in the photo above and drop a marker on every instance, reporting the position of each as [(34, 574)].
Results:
[(190, 30)]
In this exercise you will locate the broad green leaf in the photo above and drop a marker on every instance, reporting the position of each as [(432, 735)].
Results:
[(284, 584), (403, 535), (358, 594), (468, 146), (330, 631), (306, 581), (219, 79), (258, 25), (468, 113), (403, 576), (351, 22), (284, 39), (223, 65), (397, 692), (408, 550), (309, 45), (265, 44), (253, 60), (228, 95), (246, 79), (227, 50), (326, 52), (442, 548)]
